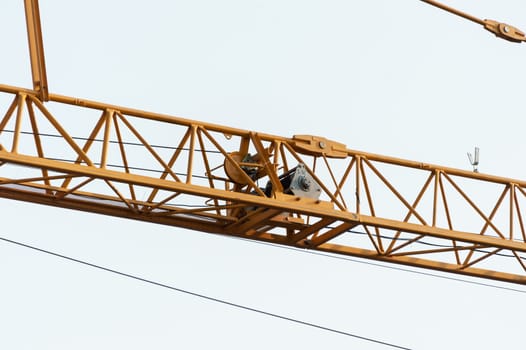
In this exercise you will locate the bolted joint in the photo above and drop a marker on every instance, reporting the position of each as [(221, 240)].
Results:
[(504, 31)]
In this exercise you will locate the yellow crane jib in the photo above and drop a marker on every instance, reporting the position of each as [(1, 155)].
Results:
[(315, 192)]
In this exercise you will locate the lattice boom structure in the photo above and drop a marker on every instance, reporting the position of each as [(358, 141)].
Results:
[(304, 191)]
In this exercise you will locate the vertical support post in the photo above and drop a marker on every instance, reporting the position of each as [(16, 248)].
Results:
[(36, 49)]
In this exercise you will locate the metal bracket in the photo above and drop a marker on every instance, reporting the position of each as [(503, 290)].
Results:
[(318, 146)]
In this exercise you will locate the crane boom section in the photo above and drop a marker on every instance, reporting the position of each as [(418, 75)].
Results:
[(303, 191)]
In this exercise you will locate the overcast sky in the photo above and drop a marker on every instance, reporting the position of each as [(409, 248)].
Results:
[(399, 78)]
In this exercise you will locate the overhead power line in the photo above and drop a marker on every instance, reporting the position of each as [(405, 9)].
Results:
[(206, 297), (422, 242), (127, 143), (332, 256)]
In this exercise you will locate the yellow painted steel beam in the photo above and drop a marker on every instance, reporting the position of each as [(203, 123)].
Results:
[(36, 49)]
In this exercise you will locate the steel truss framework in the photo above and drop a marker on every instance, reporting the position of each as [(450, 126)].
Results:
[(118, 161)]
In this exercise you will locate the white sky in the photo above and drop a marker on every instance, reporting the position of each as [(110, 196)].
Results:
[(398, 78)]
